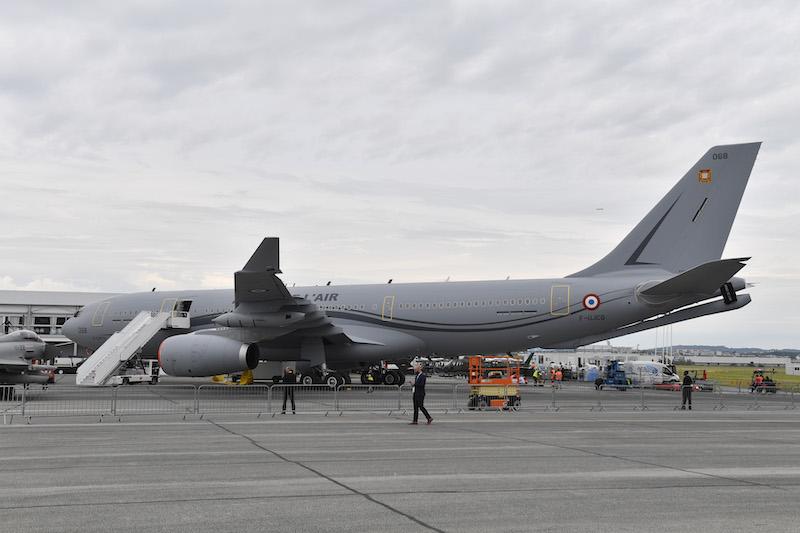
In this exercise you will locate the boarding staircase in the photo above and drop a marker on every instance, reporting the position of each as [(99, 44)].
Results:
[(122, 346)]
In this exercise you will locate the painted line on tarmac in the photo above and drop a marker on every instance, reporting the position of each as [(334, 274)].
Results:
[(330, 479), (631, 460)]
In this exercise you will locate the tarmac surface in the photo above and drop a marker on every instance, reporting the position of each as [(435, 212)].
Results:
[(565, 470)]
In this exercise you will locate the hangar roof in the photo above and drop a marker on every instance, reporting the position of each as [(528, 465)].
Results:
[(51, 297)]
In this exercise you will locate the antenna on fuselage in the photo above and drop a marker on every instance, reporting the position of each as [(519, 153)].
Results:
[(390, 281), (153, 289), (328, 284)]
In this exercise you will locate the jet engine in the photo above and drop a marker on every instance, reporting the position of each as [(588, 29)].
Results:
[(193, 355)]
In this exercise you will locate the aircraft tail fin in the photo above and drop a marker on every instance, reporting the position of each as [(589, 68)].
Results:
[(690, 225)]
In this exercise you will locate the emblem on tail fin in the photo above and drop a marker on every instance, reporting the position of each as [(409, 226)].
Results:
[(704, 176)]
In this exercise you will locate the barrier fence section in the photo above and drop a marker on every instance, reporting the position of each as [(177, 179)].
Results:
[(144, 399), (228, 399), (369, 398), (141, 399), (303, 398)]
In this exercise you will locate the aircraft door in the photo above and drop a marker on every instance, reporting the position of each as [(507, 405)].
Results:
[(168, 305), (387, 309), (559, 300), (100, 313)]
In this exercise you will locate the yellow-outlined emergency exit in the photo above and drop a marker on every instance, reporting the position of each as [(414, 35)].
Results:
[(559, 300), (387, 310)]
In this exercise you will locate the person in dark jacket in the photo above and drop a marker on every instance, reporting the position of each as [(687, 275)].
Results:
[(686, 390), (418, 391), (290, 379)]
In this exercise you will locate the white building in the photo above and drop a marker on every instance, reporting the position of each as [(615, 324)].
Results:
[(42, 311)]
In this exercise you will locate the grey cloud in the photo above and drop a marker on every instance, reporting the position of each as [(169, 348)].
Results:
[(415, 139)]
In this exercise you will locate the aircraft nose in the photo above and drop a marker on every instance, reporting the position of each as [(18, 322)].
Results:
[(70, 329)]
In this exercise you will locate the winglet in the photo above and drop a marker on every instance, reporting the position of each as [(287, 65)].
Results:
[(266, 257)]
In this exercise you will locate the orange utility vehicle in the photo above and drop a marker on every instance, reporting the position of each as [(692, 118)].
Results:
[(493, 383)]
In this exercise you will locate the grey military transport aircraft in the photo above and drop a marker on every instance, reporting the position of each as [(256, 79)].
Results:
[(18, 350), (666, 270)]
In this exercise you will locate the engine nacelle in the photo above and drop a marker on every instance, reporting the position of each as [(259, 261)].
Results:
[(193, 355)]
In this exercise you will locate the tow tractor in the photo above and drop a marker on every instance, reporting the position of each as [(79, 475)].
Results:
[(615, 377), (493, 383), (383, 374)]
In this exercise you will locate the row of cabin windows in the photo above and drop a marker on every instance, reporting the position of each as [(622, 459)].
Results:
[(439, 305), (203, 310), (453, 305), (403, 306), (345, 307)]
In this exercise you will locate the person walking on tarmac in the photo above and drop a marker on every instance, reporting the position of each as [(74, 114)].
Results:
[(686, 390), (418, 392), (289, 380)]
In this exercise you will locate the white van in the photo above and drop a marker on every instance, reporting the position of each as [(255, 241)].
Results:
[(649, 373)]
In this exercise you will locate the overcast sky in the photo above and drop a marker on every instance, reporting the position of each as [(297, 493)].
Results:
[(156, 144)]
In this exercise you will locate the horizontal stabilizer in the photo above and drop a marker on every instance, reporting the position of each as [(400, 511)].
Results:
[(704, 279)]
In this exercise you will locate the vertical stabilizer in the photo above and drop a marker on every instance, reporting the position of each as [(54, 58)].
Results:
[(690, 225)]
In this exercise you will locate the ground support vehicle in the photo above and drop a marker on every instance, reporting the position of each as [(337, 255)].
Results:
[(493, 384), (380, 375), (615, 377)]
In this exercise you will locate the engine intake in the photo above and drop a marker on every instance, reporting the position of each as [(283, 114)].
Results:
[(193, 355)]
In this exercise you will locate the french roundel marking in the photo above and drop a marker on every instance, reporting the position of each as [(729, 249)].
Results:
[(591, 302)]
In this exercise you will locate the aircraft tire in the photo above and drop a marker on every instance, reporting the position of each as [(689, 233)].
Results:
[(334, 380), (390, 378), (401, 378)]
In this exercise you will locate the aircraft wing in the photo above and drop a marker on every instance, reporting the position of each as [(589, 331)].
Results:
[(704, 279), (258, 280), (13, 364), (262, 301)]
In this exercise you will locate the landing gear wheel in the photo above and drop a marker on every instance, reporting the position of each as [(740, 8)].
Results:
[(334, 380), (390, 378), (401, 378)]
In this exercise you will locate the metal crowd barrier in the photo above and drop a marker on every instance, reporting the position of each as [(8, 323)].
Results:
[(228, 399), (141, 399)]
